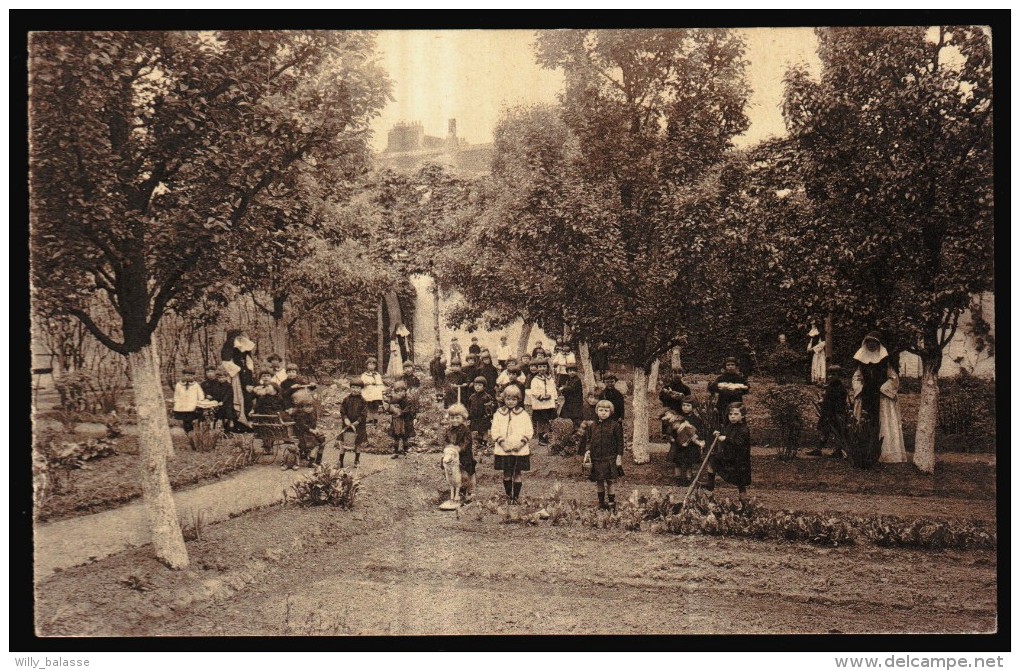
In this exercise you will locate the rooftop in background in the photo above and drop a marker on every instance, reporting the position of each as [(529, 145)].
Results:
[(408, 148)]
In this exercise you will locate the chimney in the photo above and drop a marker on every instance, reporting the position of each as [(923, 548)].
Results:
[(451, 129)]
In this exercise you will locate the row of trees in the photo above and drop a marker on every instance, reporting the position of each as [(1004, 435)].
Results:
[(170, 169)]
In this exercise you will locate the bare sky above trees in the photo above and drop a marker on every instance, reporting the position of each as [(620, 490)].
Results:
[(471, 75)]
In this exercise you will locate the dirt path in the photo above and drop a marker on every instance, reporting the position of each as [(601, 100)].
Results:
[(395, 564), (60, 545)]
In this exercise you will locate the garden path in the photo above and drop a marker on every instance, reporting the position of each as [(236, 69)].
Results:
[(60, 545)]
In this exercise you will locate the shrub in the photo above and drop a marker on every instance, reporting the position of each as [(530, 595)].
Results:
[(785, 365), (192, 525), (204, 438), (859, 441), (967, 406), (327, 485), (786, 407), (70, 455)]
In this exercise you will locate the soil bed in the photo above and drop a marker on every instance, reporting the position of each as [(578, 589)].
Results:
[(395, 564)]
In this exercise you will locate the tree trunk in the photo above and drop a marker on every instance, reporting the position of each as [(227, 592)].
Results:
[(587, 370), (380, 338), (639, 447), (155, 445), (828, 338), (927, 415), (653, 377), (522, 344), (279, 338), (437, 314), (393, 311)]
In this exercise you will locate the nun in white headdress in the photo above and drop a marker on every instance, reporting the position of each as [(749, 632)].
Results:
[(816, 346), (875, 385), (395, 366)]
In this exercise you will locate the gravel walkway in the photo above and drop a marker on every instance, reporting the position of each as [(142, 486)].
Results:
[(78, 540)]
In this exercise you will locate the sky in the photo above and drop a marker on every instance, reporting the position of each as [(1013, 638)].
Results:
[(471, 75)]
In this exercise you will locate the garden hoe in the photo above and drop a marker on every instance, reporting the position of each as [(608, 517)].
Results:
[(697, 477)]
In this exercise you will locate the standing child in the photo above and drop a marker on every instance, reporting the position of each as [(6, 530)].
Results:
[(833, 413), (543, 400), (458, 435), (187, 394), (437, 369), (455, 351), (311, 440), (511, 434), (730, 388), (573, 397), (732, 456), (353, 416), (503, 354), (481, 406), (223, 393), (372, 387), (614, 396), (409, 378), (268, 400), (455, 386), (602, 444), (287, 386), (488, 371), (402, 422), (276, 366), (686, 432), (474, 347)]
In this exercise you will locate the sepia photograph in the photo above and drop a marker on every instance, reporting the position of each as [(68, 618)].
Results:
[(448, 332)]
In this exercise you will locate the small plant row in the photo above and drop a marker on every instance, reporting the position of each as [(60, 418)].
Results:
[(72, 455), (748, 519)]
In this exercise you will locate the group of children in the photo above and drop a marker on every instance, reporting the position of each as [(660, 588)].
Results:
[(504, 407)]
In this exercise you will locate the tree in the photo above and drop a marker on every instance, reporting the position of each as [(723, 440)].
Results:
[(654, 112), (897, 145), (148, 153)]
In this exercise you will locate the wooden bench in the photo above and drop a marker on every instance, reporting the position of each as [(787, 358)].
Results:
[(273, 430)]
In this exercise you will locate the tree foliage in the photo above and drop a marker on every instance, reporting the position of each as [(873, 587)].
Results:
[(653, 112), (895, 144), (158, 156)]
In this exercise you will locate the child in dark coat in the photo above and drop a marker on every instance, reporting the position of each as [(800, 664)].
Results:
[(437, 369), (613, 395), (311, 440), (458, 434), (732, 455), (353, 416), (268, 399), (402, 414), (481, 407), (729, 387), (686, 432), (573, 397), (833, 412), (602, 444), (456, 386)]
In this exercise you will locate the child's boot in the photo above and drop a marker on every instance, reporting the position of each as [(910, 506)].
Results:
[(612, 503), (508, 486), (517, 493), (602, 500)]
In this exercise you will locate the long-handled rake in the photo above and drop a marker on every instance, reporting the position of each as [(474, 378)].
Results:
[(697, 477)]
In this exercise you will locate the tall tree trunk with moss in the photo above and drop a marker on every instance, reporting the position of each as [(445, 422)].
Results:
[(639, 446), (522, 343), (156, 446), (587, 371), (927, 414)]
